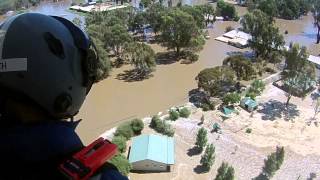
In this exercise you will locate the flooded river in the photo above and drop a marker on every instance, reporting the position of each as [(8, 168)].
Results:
[(113, 101)]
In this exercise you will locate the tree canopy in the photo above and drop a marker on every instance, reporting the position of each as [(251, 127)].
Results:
[(141, 56), (299, 73), (202, 139), (178, 29), (215, 81), (208, 158), (242, 66), (265, 35), (227, 11), (225, 172)]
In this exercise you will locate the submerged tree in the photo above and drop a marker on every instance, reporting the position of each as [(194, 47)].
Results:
[(178, 28), (242, 66), (316, 17), (141, 56), (265, 35)]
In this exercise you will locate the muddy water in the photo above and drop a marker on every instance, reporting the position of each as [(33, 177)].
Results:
[(113, 101)]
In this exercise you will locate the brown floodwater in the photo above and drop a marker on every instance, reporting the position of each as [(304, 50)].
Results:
[(113, 101)]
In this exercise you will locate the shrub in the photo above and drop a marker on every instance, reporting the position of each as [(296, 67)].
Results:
[(122, 163), (229, 28), (184, 112), (173, 114), (121, 142), (137, 126), (269, 70), (193, 57), (207, 106), (155, 121), (161, 126), (248, 130), (124, 130)]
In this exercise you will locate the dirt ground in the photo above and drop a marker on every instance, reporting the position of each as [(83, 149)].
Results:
[(271, 126)]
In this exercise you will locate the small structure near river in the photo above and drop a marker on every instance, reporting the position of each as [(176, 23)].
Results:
[(152, 153)]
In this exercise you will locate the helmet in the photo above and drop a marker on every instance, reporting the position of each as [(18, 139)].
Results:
[(47, 59)]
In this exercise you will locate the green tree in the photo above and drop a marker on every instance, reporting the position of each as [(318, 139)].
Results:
[(196, 13), (137, 126), (215, 81), (141, 56), (155, 120), (184, 112), (202, 139), (122, 164), (146, 3), (125, 130), (154, 16), (316, 17), (226, 10), (173, 114), (242, 66), (208, 12), (102, 68), (257, 87), (269, 7), (299, 73), (178, 28), (265, 36), (115, 38), (231, 98), (207, 159), (121, 142), (273, 162), (225, 172)]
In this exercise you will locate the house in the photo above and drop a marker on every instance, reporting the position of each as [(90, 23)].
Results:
[(249, 104), (236, 38), (315, 60), (152, 153)]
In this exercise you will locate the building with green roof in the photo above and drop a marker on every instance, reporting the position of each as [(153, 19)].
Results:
[(152, 153), (249, 104)]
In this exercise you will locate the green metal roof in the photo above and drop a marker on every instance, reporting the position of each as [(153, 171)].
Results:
[(249, 102), (152, 147), (227, 111)]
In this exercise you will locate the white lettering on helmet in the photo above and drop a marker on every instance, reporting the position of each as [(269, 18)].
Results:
[(14, 64)]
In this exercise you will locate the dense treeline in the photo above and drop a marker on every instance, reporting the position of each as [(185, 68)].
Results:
[(120, 34), (8, 5), (287, 9)]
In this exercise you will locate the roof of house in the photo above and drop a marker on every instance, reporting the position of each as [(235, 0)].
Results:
[(152, 147), (314, 59), (249, 102)]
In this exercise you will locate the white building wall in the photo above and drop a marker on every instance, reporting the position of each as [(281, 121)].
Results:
[(148, 165)]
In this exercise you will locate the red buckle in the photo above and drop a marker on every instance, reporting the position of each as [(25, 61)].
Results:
[(86, 162)]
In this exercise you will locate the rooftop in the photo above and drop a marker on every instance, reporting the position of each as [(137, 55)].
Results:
[(152, 147)]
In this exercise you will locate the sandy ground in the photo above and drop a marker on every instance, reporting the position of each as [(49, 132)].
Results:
[(246, 152)]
